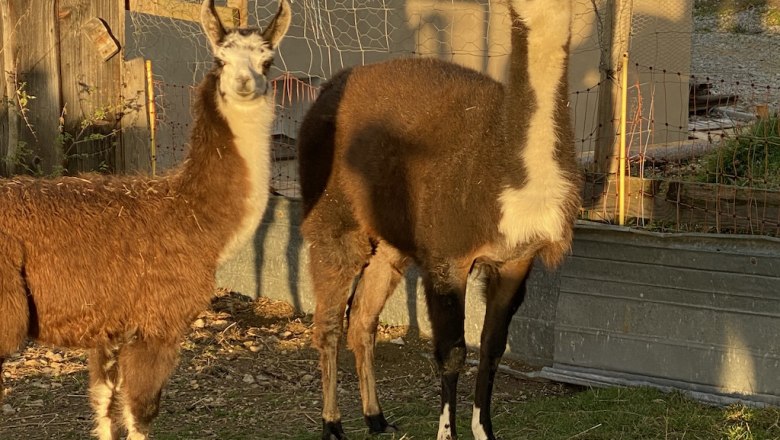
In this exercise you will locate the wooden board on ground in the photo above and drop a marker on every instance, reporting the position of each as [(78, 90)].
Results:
[(689, 206)]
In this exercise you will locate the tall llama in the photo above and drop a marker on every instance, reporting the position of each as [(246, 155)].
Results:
[(422, 161), (121, 265)]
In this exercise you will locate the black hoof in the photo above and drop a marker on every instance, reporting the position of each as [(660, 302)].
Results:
[(377, 424), (333, 431)]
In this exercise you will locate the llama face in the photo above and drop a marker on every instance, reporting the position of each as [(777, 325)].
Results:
[(244, 56)]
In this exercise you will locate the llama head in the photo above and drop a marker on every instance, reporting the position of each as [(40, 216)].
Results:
[(244, 56)]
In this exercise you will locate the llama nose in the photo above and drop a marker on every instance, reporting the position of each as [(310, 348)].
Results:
[(244, 85)]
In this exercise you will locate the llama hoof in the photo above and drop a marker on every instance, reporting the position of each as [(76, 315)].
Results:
[(333, 431), (377, 424)]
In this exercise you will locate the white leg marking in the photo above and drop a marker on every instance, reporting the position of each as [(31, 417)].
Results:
[(534, 212), (135, 435), (129, 419), (101, 402), (132, 431), (476, 427), (445, 430)]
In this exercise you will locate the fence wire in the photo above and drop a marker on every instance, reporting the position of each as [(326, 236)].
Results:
[(703, 147)]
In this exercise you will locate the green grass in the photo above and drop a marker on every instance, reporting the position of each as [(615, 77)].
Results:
[(619, 413), (599, 414), (750, 158)]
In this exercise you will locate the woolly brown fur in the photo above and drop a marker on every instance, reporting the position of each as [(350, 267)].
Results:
[(100, 256), (406, 160)]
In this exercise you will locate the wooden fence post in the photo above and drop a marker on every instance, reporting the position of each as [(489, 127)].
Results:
[(91, 84), (614, 25)]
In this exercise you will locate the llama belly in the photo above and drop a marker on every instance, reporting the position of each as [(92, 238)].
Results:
[(426, 219)]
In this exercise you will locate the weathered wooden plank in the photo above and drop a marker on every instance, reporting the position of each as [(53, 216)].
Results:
[(8, 54), (689, 206), (91, 87), (600, 200), (722, 208), (183, 10), (134, 152), (243, 10), (39, 71)]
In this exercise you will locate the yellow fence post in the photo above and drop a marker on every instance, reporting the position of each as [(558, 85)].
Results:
[(622, 155), (152, 116)]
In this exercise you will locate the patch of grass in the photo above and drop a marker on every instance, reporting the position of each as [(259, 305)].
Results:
[(597, 414), (750, 158), (772, 17), (709, 7), (641, 413)]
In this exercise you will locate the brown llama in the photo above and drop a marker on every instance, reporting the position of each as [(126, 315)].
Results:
[(121, 265), (422, 161)]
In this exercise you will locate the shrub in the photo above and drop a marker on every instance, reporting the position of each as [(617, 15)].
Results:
[(750, 158)]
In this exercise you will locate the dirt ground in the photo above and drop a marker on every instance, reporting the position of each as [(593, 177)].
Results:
[(247, 371)]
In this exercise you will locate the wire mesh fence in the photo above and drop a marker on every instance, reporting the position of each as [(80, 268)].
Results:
[(703, 151)]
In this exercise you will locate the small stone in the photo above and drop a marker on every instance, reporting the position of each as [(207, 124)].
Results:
[(8, 410), (307, 378), (52, 356), (219, 324), (199, 323), (285, 335), (398, 341), (254, 348), (248, 378)]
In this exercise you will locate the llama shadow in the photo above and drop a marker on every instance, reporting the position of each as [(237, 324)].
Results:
[(268, 234)]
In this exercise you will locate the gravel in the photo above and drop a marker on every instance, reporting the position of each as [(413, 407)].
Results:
[(737, 53)]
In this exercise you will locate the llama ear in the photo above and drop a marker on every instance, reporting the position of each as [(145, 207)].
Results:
[(279, 25), (209, 20)]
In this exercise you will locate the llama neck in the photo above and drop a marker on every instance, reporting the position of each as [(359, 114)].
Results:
[(536, 210), (225, 179), (251, 128)]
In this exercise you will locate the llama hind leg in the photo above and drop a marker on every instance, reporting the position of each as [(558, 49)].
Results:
[(445, 298), (379, 280), (504, 290), (334, 266), (14, 306), (103, 381), (144, 369)]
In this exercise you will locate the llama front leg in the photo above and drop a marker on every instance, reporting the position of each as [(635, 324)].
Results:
[(377, 283), (504, 292), (103, 378), (446, 311), (144, 368)]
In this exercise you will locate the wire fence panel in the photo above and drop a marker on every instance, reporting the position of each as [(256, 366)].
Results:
[(703, 150)]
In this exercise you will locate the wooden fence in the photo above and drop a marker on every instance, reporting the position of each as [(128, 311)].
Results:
[(71, 102)]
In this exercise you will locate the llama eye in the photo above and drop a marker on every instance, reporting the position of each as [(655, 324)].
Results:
[(267, 64)]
